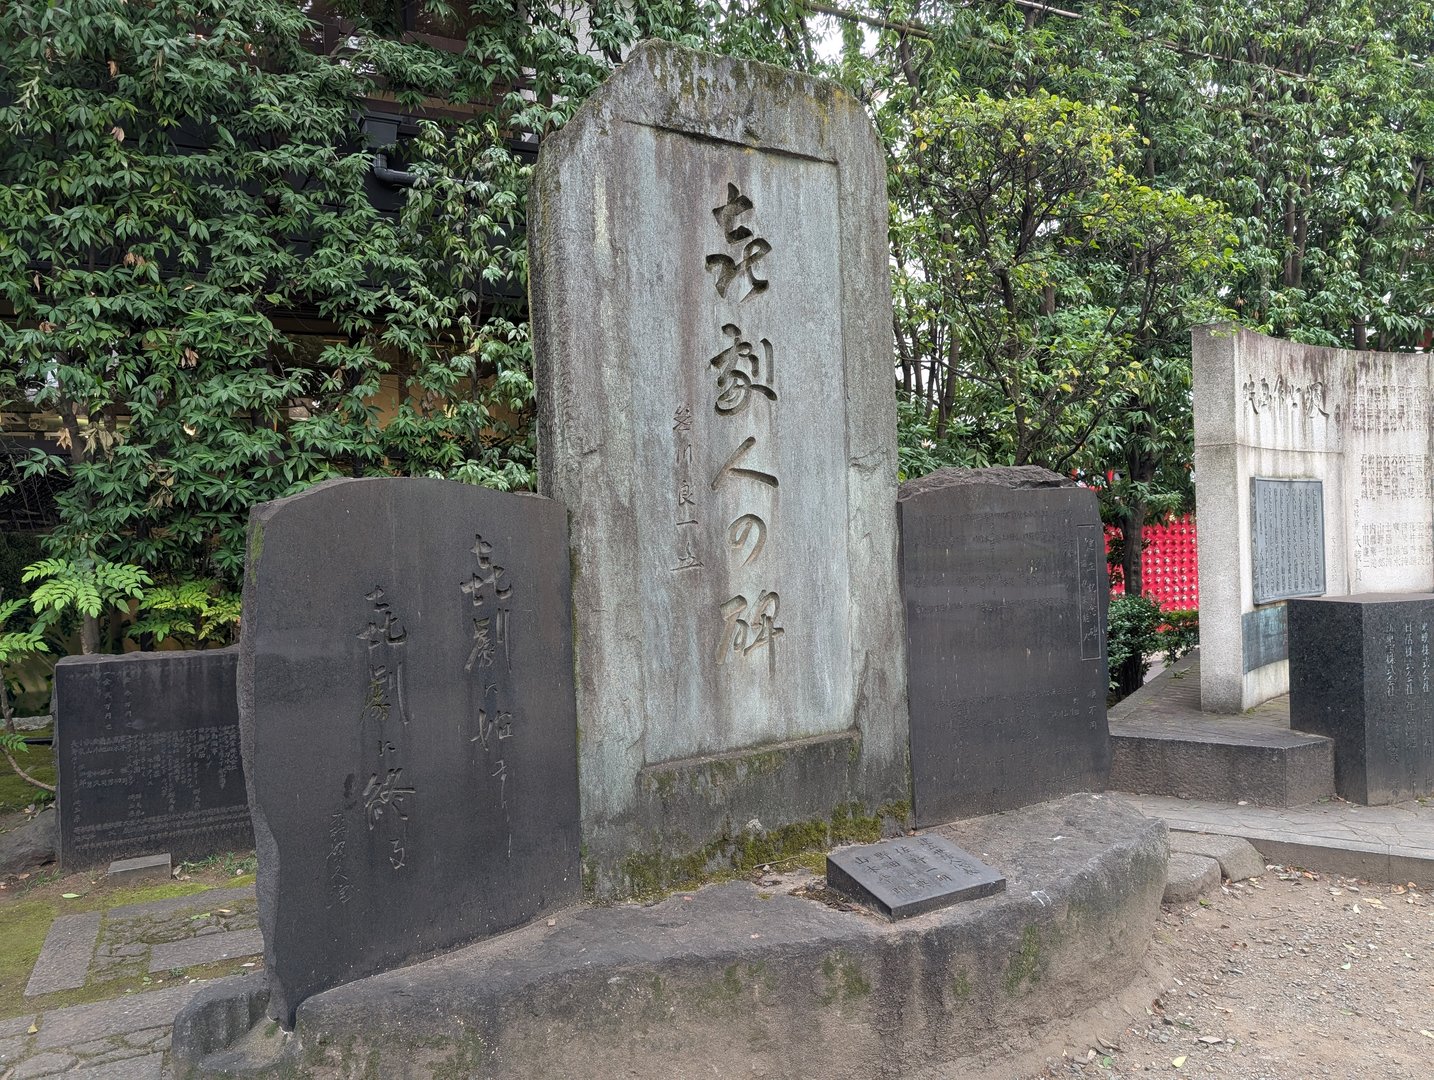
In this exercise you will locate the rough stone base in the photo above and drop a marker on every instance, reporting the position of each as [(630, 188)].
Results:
[(732, 980)]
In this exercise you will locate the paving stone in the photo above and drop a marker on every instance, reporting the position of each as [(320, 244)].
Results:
[(203, 901), (1238, 858), (11, 1049), (148, 1067), (147, 1038), (43, 1065), (16, 1025), (133, 1012), (1190, 877), (206, 949), (93, 1047), (64, 961), (1396, 843)]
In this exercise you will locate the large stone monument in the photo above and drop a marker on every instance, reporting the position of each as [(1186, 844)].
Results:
[(1312, 477), (147, 746), (406, 704), (1004, 579), (1360, 670), (712, 335)]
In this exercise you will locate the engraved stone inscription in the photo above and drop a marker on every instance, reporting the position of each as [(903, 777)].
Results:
[(1090, 550), (148, 750), (1287, 537), (1360, 675), (911, 875), (742, 371), (1393, 476), (409, 724), (736, 275)]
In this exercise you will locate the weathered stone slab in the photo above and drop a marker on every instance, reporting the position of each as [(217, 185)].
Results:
[(191, 952), (722, 432), (911, 875), (64, 961), (144, 868), (1237, 857), (117, 1016), (1276, 421), (409, 729), (1189, 877), (143, 1067), (1004, 580), (147, 746), (1360, 674)]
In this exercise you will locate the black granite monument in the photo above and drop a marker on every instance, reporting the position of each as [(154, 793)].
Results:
[(410, 735), (147, 746), (1360, 675), (911, 875), (1004, 582)]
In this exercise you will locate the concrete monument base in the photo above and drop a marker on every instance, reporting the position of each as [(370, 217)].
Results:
[(734, 979)]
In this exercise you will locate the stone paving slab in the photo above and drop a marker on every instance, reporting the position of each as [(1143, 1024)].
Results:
[(64, 961), (1382, 843), (193, 902), (117, 1016), (191, 952), (16, 1025), (149, 1067)]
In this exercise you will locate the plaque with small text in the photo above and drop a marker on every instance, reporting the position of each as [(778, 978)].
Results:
[(1287, 538), (911, 875)]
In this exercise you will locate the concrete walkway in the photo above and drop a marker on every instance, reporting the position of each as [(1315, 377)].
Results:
[(1381, 843)]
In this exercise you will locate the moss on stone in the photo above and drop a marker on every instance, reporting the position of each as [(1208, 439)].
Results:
[(651, 875), (1026, 964), (961, 986), (844, 980)]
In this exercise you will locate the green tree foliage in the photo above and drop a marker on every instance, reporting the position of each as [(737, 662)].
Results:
[(179, 179), (1289, 141)]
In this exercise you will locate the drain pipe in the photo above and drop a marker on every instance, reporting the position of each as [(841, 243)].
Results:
[(393, 177)]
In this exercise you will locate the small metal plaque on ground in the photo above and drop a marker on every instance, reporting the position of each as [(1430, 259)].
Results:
[(911, 875)]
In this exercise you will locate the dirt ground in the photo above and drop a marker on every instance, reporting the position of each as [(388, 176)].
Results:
[(1292, 976)]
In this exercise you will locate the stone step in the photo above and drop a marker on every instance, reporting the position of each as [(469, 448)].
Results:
[(1162, 744)]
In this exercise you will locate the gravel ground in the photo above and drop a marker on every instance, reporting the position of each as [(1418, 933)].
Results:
[(1292, 976)]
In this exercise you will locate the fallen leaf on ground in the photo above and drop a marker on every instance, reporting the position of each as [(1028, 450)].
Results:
[(69, 896), (1177, 1062)]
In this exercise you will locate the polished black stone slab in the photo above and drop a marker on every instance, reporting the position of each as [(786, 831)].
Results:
[(410, 735), (1004, 584), (911, 875), (147, 746), (1360, 674)]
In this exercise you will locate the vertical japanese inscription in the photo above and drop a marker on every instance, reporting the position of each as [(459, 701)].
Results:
[(1089, 550), (745, 370), (1287, 539), (488, 594), (384, 723)]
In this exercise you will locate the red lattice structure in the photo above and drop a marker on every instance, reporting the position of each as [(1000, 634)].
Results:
[(1169, 564)]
